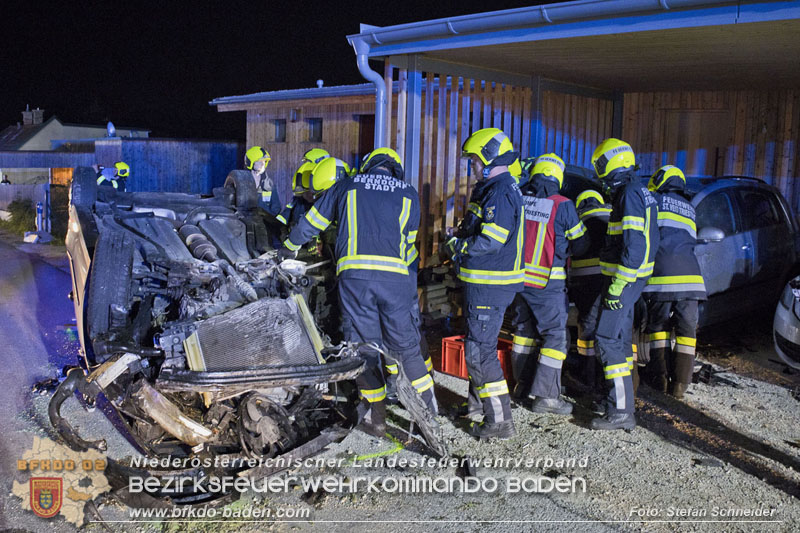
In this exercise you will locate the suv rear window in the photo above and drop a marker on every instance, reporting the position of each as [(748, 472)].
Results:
[(716, 211), (760, 209)]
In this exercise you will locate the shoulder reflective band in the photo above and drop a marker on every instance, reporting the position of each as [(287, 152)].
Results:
[(674, 220), (352, 223), (578, 230), (317, 220)]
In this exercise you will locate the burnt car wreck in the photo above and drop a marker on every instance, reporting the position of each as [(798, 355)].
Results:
[(195, 339)]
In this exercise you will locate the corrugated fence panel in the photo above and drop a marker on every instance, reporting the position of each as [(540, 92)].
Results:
[(715, 133)]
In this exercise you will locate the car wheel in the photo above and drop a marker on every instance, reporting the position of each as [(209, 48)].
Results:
[(246, 195), (109, 282), (83, 192)]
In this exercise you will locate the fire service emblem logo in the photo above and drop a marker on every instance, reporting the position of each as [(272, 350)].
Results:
[(46, 496)]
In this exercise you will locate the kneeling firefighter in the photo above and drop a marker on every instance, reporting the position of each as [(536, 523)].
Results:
[(627, 261), (553, 231), (673, 292), (376, 212), (488, 253)]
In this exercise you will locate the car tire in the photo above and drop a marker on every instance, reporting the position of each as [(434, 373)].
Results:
[(109, 280), (83, 192), (245, 195)]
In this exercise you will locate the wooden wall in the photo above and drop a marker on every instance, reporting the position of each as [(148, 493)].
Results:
[(451, 109), (715, 133), (341, 127), (574, 125)]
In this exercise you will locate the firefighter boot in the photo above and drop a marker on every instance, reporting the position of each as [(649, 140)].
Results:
[(684, 367), (555, 406), (497, 430), (624, 421), (374, 421)]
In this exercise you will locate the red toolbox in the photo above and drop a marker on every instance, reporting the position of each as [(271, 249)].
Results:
[(452, 360)]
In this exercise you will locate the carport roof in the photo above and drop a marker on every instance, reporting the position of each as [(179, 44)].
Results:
[(629, 45)]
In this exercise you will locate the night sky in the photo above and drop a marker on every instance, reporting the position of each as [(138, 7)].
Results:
[(157, 65)]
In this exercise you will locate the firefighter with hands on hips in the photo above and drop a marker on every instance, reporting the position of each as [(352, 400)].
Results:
[(115, 176), (488, 252), (303, 197), (256, 160), (626, 260), (585, 280), (553, 232), (377, 215), (673, 292)]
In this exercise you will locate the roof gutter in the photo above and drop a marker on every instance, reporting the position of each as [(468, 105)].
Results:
[(521, 17), (362, 54)]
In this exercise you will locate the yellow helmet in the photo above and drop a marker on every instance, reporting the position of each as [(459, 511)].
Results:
[(551, 167), (667, 175), (326, 173), (383, 157), (302, 178), (315, 155), (488, 144), (254, 154), (587, 195), (610, 155), (122, 169), (515, 169)]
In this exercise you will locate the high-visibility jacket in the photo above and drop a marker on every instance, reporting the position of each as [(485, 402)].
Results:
[(631, 240), (294, 211), (676, 275), (550, 223), (489, 249), (595, 218), (107, 178), (378, 220)]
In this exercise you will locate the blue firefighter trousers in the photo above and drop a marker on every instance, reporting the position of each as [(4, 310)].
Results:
[(376, 312), (485, 307), (614, 346), (548, 316)]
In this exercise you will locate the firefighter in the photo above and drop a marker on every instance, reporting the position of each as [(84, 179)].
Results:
[(256, 160), (488, 251), (552, 231), (627, 261), (376, 213), (115, 176), (673, 292), (586, 281), (303, 198)]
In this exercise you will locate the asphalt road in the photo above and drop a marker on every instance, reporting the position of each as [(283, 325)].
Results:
[(36, 341)]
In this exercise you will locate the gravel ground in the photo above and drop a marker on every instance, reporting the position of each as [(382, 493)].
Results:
[(733, 444)]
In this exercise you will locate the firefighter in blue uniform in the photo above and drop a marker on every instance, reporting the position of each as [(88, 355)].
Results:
[(488, 253), (553, 231), (115, 176), (626, 260), (585, 280), (256, 160), (303, 197), (673, 292), (377, 213)]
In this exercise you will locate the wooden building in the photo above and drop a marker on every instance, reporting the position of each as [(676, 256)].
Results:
[(711, 86)]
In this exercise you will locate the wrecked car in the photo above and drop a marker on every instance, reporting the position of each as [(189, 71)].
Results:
[(194, 337)]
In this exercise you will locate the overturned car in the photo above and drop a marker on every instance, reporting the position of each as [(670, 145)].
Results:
[(194, 338)]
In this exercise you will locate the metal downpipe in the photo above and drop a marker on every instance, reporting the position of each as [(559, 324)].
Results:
[(362, 55)]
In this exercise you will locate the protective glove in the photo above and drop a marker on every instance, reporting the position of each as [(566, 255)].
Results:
[(285, 253), (611, 301)]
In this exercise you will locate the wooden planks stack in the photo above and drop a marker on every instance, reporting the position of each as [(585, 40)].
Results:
[(440, 296)]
